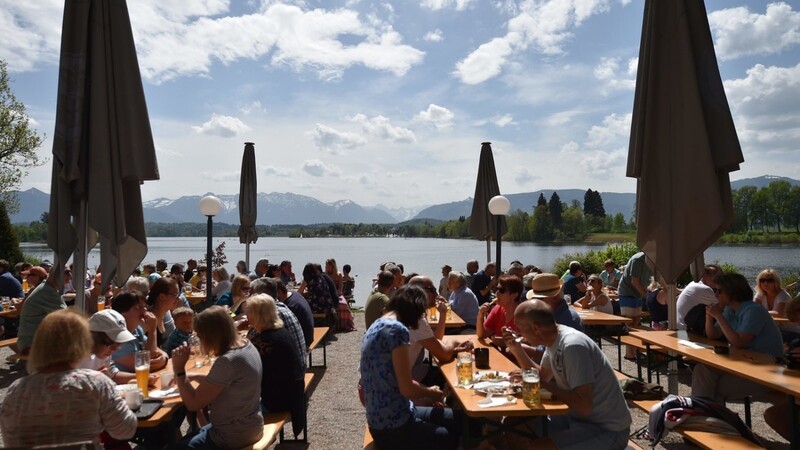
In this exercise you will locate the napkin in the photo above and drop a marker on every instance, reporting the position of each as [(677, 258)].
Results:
[(497, 401), (487, 384), (693, 345)]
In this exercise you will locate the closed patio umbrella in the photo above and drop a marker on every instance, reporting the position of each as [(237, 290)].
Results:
[(248, 197), (683, 141), (102, 146), (481, 223)]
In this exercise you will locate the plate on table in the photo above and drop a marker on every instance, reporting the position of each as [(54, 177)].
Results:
[(497, 388), (490, 375), (164, 393)]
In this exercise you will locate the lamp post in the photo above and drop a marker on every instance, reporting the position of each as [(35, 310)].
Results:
[(210, 206), (499, 207)]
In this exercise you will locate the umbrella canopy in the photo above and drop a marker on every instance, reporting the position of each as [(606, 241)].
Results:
[(683, 141), (482, 223), (102, 146), (248, 196)]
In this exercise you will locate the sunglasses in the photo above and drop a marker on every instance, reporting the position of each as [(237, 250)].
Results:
[(501, 290), (766, 280)]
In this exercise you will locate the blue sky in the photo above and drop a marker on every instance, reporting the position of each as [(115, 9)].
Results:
[(388, 102)]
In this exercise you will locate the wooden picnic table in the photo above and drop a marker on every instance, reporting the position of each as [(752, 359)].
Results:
[(469, 398), (452, 320)]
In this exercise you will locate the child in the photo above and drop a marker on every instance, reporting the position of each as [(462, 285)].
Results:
[(184, 326), (108, 332)]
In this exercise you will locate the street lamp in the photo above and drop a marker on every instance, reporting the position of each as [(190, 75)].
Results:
[(499, 207), (210, 206)]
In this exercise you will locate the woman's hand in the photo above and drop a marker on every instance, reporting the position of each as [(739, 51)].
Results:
[(150, 322), (483, 311), (180, 356), (715, 311)]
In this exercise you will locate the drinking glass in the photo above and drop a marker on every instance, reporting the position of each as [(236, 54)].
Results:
[(530, 388), (187, 289), (142, 365), (101, 302), (464, 363)]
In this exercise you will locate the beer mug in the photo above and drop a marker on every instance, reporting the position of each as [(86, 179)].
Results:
[(530, 388), (101, 302), (464, 362), (142, 366)]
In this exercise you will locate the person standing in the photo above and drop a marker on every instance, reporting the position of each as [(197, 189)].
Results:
[(632, 293), (444, 291)]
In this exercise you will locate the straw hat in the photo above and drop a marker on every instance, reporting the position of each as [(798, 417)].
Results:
[(544, 285)]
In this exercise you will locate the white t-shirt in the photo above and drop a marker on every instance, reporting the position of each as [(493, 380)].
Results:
[(781, 298), (695, 293), (423, 331)]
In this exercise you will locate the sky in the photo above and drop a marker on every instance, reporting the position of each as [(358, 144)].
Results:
[(387, 102)]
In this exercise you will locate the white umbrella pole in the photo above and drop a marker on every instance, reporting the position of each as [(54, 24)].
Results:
[(672, 301), (79, 259), (247, 255)]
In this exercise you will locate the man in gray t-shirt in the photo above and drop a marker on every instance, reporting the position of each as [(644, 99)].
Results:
[(577, 372)]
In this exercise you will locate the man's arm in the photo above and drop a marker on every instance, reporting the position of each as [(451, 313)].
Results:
[(442, 351)]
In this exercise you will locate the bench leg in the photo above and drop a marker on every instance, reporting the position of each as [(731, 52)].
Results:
[(793, 415)]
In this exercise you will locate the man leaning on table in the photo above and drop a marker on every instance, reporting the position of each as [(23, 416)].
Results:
[(577, 372)]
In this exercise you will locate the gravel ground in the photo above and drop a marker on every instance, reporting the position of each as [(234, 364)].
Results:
[(336, 418)]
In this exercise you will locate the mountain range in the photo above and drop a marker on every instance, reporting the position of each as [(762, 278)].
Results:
[(292, 209)]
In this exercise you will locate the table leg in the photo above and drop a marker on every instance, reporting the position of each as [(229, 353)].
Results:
[(795, 441), (619, 351), (649, 372)]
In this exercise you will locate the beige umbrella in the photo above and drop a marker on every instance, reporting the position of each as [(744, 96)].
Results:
[(683, 141), (102, 146), (482, 223)]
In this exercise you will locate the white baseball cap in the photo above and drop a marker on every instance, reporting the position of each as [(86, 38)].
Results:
[(112, 324)]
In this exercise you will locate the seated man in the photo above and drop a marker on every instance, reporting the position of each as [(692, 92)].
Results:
[(483, 282), (547, 288), (578, 373), (694, 298), (296, 303), (378, 298), (43, 300), (462, 300), (574, 282), (745, 325)]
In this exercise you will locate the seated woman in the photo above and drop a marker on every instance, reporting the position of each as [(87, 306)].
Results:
[(595, 299), (161, 300), (231, 389), (772, 296), (222, 282), (746, 325), (142, 324), (657, 305), (393, 420), (499, 314), (316, 290), (282, 384), (332, 270), (59, 403), (237, 296)]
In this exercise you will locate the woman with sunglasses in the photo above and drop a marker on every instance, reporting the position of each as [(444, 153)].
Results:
[(595, 299), (772, 296), (745, 325), (499, 313), (235, 298)]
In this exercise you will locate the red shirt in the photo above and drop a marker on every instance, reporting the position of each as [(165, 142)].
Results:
[(496, 320)]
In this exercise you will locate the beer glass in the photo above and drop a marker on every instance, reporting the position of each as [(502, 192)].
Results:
[(464, 362), (101, 302), (530, 388), (142, 366)]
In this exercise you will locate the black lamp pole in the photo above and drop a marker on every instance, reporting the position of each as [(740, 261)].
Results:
[(497, 241), (209, 259)]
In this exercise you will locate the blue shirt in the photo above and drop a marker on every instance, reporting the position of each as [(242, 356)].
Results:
[(564, 315), (754, 319), (570, 287), (465, 304), (10, 286), (386, 407), (130, 348)]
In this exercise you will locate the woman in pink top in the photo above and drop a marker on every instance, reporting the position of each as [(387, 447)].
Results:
[(57, 403), (498, 314)]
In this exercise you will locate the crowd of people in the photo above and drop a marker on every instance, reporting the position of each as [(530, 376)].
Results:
[(79, 360), (526, 315)]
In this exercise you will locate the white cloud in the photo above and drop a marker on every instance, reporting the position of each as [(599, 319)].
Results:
[(561, 118), (224, 126), (543, 26), (738, 32), (614, 127), (499, 121), (277, 171), (608, 70), (334, 141), (317, 168), (434, 36), (381, 128), (436, 5), (36, 30), (252, 107), (439, 116), (525, 177)]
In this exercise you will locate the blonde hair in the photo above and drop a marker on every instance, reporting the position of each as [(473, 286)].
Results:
[(221, 273), (62, 337), (771, 274), (216, 330), (239, 282), (182, 311), (334, 267), (262, 313), (654, 284)]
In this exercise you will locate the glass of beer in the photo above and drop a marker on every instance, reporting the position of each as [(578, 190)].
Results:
[(449, 312), (432, 313), (142, 365), (530, 388), (464, 362), (101, 302)]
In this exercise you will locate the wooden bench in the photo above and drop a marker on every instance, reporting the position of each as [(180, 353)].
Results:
[(369, 444), (704, 439), (320, 338), (273, 425), (16, 357)]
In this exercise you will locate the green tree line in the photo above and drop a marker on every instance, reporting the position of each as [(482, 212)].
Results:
[(772, 208)]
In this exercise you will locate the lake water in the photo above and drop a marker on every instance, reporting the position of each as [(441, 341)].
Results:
[(421, 255)]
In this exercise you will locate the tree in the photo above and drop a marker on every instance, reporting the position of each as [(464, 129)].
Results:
[(556, 208), (593, 204), (542, 201), (742, 206), (793, 214), (779, 193), (542, 230), (9, 244), (18, 142)]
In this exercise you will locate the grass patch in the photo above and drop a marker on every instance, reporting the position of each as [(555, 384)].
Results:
[(604, 238)]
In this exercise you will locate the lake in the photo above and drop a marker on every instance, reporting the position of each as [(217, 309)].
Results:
[(422, 255)]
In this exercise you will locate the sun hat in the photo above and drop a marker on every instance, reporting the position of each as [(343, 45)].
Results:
[(544, 285), (112, 324), (46, 264), (36, 271)]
